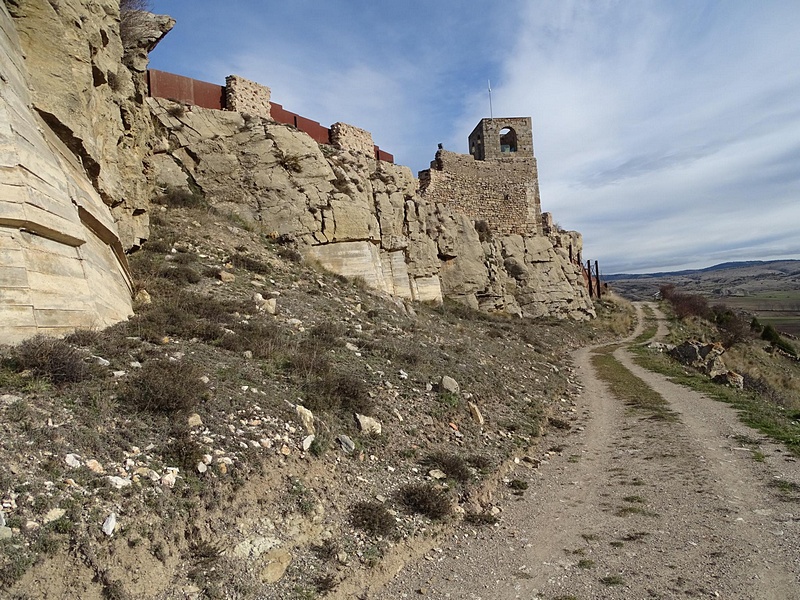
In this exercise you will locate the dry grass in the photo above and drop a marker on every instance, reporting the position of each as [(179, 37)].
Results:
[(51, 359), (425, 499), (166, 386), (373, 517)]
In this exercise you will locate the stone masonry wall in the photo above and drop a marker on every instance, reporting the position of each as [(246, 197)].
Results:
[(349, 137), (502, 192), (247, 97)]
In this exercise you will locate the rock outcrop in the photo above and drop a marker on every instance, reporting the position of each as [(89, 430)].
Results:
[(79, 157), (358, 216), (74, 131)]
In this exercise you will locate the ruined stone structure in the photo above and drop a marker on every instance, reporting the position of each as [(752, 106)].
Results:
[(247, 97), (497, 182), (348, 137)]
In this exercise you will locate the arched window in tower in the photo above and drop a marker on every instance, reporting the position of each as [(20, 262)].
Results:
[(508, 140)]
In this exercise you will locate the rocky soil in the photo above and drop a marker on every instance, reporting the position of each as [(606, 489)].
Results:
[(626, 505), (179, 463)]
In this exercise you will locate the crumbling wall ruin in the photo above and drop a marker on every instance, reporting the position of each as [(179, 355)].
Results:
[(247, 97), (505, 194), (349, 137)]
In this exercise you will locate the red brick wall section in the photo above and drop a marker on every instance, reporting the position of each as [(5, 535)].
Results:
[(385, 156), (185, 89), (318, 133)]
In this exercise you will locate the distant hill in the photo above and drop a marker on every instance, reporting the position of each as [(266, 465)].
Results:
[(784, 266), (724, 280), (768, 289)]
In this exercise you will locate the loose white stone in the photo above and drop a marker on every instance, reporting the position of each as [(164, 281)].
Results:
[(110, 524), (118, 482)]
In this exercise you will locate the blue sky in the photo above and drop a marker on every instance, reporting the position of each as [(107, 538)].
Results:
[(667, 132)]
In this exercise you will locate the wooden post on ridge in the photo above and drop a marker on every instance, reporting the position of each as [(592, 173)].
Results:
[(589, 271)]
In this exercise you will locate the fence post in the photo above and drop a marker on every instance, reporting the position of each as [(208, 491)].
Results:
[(597, 272), (589, 271)]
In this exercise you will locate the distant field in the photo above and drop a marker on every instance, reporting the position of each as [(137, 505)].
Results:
[(781, 309)]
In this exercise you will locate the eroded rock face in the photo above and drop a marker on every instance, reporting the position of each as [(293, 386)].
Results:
[(83, 90), (359, 217)]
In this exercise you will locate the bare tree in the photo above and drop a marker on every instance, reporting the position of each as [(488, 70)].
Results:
[(132, 20)]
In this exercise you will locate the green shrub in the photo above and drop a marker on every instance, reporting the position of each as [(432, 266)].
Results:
[(770, 335)]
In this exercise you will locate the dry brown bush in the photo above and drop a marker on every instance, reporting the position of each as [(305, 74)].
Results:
[(372, 517), (51, 359), (165, 386), (425, 499)]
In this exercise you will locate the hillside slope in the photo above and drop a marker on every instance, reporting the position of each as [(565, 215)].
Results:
[(183, 424)]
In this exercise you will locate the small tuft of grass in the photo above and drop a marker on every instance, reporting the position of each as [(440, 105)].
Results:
[(480, 518), (612, 580), (180, 198), (242, 261), (372, 517), (453, 465), (518, 485), (634, 510), (634, 498), (425, 499), (585, 563)]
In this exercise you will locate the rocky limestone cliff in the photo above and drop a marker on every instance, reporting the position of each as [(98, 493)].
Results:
[(89, 89), (74, 131), (358, 216), (77, 141)]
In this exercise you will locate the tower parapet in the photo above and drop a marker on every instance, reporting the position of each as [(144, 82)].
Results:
[(496, 182)]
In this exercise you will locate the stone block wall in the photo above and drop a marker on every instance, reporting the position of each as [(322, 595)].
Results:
[(486, 140), (502, 192), (349, 137), (245, 96)]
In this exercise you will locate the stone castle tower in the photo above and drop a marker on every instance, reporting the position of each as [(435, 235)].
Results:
[(496, 182)]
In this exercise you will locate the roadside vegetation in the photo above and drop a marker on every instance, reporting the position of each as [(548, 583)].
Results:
[(767, 361)]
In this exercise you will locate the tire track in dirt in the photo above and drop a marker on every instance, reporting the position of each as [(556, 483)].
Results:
[(625, 506)]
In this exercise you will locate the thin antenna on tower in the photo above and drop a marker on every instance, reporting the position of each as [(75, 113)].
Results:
[(491, 113)]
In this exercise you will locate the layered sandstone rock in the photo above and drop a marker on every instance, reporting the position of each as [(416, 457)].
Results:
[(73, 133)]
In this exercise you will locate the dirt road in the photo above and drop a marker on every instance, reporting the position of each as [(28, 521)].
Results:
[(625, 506)]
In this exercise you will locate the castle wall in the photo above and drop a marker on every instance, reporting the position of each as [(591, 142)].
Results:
[(244, 96), (348, 137), (247, 97), (502, 192)]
